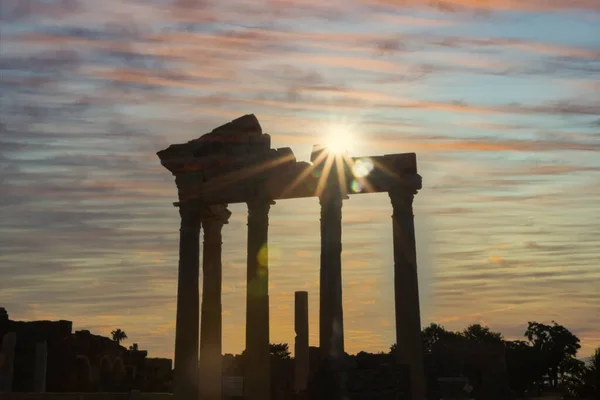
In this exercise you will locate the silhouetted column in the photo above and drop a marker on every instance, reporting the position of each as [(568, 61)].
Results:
[(39, 372), (187, 324), (301, 341), (7, 367), (211, 318), (406, 286), (257, 383), (331, 319)]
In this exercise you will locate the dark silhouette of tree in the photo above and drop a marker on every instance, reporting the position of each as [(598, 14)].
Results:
[(589, 381), (593, 373), (282, 371), (495, 368), (118, 335), (280, 350), (481, 334), (573, 379), (581, 380), (524, 366), (430, 336), (556, 345), (433, 334)]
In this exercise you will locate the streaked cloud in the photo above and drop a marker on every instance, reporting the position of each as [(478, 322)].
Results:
[(504, 117)]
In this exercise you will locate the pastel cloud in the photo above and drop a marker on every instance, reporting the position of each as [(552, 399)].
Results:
[(505, 125), (499, 5)]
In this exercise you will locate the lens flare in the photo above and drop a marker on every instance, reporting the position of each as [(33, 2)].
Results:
[(362, 167), (267, 254), (263, 256)]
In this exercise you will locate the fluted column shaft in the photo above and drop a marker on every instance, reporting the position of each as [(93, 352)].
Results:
[(406, 286), (257, 384), (331, 319), (187, 323), (211, 317)]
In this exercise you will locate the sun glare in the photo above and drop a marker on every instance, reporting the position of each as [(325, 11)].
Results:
[(332, 156), (339, 139)]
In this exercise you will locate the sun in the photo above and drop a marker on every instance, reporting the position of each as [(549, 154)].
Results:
[(339, 139)]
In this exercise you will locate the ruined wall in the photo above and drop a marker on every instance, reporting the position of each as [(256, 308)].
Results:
[(81, 361), (55, 334), (87, 396)]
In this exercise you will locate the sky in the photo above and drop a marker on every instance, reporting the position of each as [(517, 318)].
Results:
[(499, 99)]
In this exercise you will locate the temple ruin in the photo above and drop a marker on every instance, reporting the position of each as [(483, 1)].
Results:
[(236, 164)]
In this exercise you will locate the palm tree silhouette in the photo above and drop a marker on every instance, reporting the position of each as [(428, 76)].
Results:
[(592, 378), (118, 335)]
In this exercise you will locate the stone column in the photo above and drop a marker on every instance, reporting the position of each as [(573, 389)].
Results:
[(331, 319), (211, 322), (39, 372), (187, 323), (257, 383), (7, 366), (301, 341), (406, 286)]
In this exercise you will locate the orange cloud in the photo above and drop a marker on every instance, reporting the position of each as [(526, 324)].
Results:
[(498, 260)]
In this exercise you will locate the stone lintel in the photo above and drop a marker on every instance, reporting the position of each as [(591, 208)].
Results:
[(295, 180)]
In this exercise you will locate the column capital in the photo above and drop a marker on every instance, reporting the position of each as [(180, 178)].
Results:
[(332, 196), (190, 215), (213, 218), (259, 206), (403, 193), (215, 214)]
